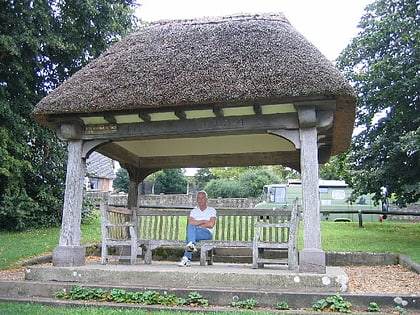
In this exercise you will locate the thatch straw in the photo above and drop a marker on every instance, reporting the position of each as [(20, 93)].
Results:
[(235, 59)]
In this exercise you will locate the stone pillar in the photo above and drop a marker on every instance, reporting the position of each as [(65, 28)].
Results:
[(70, 252), (312, 258)]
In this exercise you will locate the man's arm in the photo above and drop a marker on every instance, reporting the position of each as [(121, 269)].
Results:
[(203, 223)]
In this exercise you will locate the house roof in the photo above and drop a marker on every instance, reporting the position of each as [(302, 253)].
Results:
[(98, 165), (223, 65)]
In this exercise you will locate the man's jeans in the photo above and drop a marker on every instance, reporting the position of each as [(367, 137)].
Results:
[(195, 234)]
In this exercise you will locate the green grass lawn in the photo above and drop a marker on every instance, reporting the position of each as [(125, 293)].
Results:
[(385, 237), (18, 246), (395, 237), (36, 309)]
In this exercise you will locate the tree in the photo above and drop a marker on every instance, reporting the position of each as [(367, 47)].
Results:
[(383, 64), (42, 43), (247, 184), (170, 181), (203, 176), (122, 180), (335, 168), (253, 181), (223, 188)]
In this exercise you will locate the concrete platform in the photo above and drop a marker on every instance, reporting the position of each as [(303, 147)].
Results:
[(220, 283), (218, 276)]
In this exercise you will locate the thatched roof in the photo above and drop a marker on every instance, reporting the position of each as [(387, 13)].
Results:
[(235, 59), (258, 66)]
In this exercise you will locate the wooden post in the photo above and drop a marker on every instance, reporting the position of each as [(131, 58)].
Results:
[(136, 176), (69, 252), (312, 257)]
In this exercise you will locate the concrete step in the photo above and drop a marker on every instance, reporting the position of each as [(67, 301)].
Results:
[(218, 276), (43, 292)]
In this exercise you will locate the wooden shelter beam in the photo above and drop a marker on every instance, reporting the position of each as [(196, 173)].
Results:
[(198, 127), (257, 109), (180, 114), (218, 160), (218, 111), (145, 116), (136, 175), (110, 119)]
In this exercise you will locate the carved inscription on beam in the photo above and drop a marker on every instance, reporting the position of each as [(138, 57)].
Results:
[(100, 129), (199, 127)]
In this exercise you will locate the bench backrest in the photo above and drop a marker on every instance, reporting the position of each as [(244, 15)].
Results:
[(159, 223), (239, 224)]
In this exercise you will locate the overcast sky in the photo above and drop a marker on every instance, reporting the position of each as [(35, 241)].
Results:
[(328, 24)]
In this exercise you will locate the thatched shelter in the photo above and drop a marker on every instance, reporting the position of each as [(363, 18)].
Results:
[(225, 91)]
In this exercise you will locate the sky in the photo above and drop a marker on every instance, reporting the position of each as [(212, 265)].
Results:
[(329, 24)]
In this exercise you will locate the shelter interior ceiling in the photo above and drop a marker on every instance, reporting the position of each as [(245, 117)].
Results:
[(192, 146), (227, 144), (207, 145)]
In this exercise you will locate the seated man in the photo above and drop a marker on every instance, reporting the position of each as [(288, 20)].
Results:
[(200, 226)]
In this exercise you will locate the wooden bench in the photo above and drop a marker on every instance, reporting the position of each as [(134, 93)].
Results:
[(148, 228), (119, 231)]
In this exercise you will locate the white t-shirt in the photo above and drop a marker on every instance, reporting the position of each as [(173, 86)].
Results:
[(206, 214)]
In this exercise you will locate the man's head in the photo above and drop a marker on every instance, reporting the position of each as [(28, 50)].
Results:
[(202, 199)]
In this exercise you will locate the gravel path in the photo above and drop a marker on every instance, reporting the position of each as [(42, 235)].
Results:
[(393, 279)]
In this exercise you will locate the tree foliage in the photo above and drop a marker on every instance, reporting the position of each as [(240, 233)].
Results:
[(223, 188), (203, 176), (42, 43), (246, 184), (383, 63), (170, 181), (122, 180), (335, 168)]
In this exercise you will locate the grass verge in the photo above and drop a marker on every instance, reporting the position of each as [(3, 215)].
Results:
[(391, 237)]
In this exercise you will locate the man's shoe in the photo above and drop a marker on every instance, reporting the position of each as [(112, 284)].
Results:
[(185, 262), (191, 247)]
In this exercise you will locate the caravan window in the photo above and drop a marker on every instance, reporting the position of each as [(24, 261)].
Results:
[(278, 194)]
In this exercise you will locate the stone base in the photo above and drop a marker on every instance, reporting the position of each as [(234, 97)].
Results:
[(68, 256), (312, 260)]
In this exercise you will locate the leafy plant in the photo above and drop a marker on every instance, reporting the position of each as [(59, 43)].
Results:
[(89, 209), (169, 300), (123, 296), (373, 307), (195, 298), (117, 295), (282, 305), (332, 304), (151, 297), (246, 304), (181, 301), (399, 310)]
